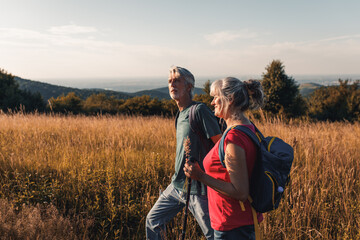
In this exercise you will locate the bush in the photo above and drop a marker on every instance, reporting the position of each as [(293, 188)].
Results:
[(37, 222), (336, 103)]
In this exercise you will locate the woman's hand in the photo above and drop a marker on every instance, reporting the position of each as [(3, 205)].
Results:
[(192, 170)]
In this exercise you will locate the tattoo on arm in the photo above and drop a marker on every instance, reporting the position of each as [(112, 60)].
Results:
[(229, 160)]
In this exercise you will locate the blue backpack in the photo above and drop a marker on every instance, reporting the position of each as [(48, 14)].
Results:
[(271, 170)]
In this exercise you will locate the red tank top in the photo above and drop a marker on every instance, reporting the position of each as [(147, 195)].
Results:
[(225, 212)]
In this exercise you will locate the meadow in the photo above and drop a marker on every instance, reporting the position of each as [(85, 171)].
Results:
[(77, 177)]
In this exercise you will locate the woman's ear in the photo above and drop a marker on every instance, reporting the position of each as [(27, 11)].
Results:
[(231, 101)]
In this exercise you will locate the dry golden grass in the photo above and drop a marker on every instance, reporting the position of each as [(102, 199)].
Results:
[(107, 171), (323, 201), (42, 221)]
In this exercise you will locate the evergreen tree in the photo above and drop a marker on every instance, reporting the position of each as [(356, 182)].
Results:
[(205, 98), (9, 91), (11, 97), (283, 95)]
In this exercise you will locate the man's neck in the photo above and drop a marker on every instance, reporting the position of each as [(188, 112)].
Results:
[(184, 103)]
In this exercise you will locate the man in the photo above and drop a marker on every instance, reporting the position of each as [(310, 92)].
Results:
[(173, 199)]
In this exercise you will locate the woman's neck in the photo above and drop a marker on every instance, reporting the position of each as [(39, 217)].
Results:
[(239, 120)]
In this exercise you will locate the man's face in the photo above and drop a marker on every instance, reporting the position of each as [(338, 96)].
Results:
[(178, 88)]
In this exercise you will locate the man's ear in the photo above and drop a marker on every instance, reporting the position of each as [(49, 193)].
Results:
[(188, 87)]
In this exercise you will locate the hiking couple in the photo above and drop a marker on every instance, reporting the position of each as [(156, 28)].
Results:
[(215, 190)]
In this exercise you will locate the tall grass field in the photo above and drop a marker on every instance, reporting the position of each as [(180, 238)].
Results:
[(76, 177)]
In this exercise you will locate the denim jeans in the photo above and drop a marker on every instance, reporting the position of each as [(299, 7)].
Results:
[(240, 233), (170, 202)]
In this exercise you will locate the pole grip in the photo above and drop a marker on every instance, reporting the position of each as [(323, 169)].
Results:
[(191, 159)]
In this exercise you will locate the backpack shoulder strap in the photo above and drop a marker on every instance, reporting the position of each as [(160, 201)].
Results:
[(194, 123), (221, 147), (197, 128), (256, 139), (176, 118)]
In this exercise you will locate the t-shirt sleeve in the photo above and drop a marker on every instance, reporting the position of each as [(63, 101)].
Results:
[(208, 121), (238, 138)]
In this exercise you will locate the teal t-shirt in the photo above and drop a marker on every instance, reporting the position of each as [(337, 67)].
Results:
[(210, 127)]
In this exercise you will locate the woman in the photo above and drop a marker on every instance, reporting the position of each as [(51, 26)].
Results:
[(230, 218)]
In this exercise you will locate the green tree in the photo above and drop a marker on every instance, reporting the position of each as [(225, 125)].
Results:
[(169, 107), (32, 101), (65, 104), (143, 105), (283, 95), (353, 101), (206, 97), (9, 91), (11, 97), (336, 103), (100, 103)]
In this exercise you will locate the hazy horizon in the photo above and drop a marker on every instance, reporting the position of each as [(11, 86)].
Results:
[(132, 84)]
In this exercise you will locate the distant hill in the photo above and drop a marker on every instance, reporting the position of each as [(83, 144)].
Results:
[(50, 90), (162, 93)]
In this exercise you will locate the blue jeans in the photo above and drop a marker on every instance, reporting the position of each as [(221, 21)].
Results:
[(240, 233), (170, 202)]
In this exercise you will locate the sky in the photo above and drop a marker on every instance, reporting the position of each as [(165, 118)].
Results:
[(92, 39)]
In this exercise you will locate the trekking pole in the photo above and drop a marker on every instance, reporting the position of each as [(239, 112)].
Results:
[(187, 204)]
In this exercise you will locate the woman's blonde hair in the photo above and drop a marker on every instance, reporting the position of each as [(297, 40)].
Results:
[(242, 95)]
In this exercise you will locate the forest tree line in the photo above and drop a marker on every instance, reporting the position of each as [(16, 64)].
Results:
[(334, 103)]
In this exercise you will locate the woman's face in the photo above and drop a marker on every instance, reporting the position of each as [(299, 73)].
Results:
[(216, 102)]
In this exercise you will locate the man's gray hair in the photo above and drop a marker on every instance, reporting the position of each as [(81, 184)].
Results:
[(186, 74)]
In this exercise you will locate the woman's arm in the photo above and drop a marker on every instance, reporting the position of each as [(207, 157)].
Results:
[(235, 162)]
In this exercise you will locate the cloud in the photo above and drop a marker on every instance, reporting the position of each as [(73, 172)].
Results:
[(228, 36), (44, 54), (71, 29), (20, 34), (337, 45), (64, 39), (66, 53), (328, 55), (345, 37)]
